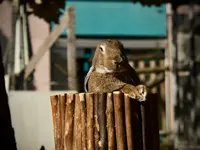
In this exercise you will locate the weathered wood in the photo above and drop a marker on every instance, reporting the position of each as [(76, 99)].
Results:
[(141, 66), (170, 83), (142, 109), (146, 57), (127, 105), (154, 101), (153, 75), (151, 70), (53, 108), (71, 50), (159, 80), (136, 124), (69, 122), (58, 124), (110, 122), (77, 124), (102, 120), (119, 121), (151, 121), (83, 121), (161, 104), (134, 44), (56, 121), (96, 122), (105, 121), (62, 99), (90, 121)]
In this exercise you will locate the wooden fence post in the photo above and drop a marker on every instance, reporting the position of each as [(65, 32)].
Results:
[(119, 121), (110, 122), (71, 50), (90, 120), (104, 121), (69, 121)]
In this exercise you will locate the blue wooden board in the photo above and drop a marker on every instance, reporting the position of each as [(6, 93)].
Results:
[(117, 18)]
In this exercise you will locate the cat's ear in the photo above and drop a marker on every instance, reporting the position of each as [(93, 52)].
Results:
[(87, 78)]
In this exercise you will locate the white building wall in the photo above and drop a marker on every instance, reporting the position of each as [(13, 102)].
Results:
[(32, 119)]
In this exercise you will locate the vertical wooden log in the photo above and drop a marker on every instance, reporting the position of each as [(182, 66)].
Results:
[(136, 124), (77, 124), (62, 118), (151, 121), (102, 121), (96, 122), (141, 65), (148, 120), (110, 122), (54, 101), (155, 123), (83, 121), (56, 121), (69, 122), (132, 64), (119, 121), (90, 121), (152, 64), (162, 102), (128, 108), (71, 50), (142, 109)]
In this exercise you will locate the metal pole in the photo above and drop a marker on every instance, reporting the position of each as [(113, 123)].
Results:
[(23, 14), (11, 55)]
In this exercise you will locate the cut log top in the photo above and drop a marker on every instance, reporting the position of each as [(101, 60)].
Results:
[(104, 121)]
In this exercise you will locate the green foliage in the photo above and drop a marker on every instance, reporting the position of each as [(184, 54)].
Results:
[(49, 10)]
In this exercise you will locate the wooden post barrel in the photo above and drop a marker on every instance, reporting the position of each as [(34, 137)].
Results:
[(90, 121)]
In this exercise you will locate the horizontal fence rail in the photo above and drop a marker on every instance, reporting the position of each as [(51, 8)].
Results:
[(111, 121)]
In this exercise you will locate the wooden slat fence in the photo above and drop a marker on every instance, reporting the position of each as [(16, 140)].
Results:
[(90, 121), (149, 67)]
